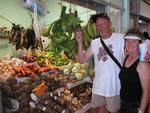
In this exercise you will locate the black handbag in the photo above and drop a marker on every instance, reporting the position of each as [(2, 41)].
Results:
[(110, 54)]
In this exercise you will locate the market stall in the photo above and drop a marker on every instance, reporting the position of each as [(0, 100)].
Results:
[(47, 80)]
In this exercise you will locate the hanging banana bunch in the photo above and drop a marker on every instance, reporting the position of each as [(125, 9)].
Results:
[(89, 33), (61, 33)]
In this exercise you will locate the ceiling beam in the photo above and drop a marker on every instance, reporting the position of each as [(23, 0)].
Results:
[(84, 3)]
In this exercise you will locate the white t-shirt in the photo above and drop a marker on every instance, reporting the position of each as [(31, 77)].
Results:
[(106, 81), (148, 45)]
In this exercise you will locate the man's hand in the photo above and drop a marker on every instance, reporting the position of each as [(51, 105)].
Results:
[(79, 35), (147, 57)]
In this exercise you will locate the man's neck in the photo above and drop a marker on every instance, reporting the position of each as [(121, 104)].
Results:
[(107, 36)]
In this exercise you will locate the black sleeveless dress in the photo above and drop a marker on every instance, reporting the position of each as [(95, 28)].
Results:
[(131, 89)]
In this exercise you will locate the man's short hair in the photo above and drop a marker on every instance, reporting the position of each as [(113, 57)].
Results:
[(101, 15), (146, 35)]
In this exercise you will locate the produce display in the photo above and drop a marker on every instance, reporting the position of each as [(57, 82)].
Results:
[(80, 71), (48, 59), (6, 66), (51, 58), (23, 38), (68, 101), (40, 89), (76, 97), (28, 70)]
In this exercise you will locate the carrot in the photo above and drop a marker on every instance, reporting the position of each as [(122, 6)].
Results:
[(28, 65), (17, 69), (22, 71), (45, 69), (27, 71), (35, 69)]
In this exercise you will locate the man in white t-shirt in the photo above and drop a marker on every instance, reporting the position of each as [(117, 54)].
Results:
[(106, 84)]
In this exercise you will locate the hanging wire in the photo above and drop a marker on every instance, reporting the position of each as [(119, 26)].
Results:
[(75, 5), (70, 9), (6, 19), (87, 6)]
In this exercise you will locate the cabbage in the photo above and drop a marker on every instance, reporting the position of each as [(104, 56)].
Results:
[(75, 69), (70, 65), (63, 67), (84, 72), (78, 65), (82, 65), (79, 76), (66, 71)]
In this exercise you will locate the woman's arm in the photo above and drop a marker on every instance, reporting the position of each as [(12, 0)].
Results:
[(144, 74)]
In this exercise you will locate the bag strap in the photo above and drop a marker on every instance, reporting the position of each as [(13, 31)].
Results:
[(110, 54)]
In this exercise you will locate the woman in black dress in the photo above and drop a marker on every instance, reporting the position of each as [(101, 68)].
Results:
[(134, 76)]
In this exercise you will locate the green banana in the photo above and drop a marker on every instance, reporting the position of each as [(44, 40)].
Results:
[(48, 32), (64, 23), (70, 35), (87, 39), (90, 29), (86, 36), (72, 54), (73, 19), (58, 40), (56, 26), (64, 35), (96, 34), (62, 47), (67, 24), (75, 22), (63, 10)]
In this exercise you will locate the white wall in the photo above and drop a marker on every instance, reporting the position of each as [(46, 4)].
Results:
[(14, 11)]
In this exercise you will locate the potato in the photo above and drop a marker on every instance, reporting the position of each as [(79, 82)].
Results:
[(1, 64)]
